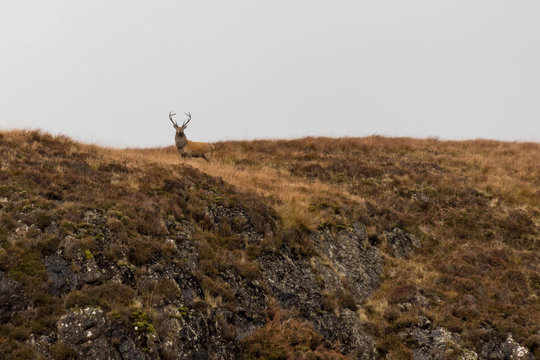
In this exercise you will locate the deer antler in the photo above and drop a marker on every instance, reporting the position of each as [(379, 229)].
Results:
[(188, 120), (171, 114)]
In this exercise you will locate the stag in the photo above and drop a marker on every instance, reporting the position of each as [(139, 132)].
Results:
[(188, 148)]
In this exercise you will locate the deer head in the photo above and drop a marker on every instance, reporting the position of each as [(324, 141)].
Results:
[(175, 124), (180, 136)]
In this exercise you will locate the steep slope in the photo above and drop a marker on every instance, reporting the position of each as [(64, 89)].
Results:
[(314, 248)]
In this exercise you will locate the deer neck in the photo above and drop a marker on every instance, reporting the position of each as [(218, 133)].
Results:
[(181, 141)]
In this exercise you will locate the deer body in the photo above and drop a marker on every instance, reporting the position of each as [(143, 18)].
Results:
[(188, 148)]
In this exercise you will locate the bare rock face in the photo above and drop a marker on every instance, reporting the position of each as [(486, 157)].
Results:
[(326, 288), (402, 243), (61, 278), (11, 298), (436, 343), (352, 258), (508, 349), (88, 331), (346, 264), (252, 301), (292, 282), (347, 329), (201, 335)]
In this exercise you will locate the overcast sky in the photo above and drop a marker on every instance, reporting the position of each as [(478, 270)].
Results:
[(108, 72)]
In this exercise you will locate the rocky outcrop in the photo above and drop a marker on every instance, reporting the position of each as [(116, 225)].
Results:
[(292, 282), (194, 325), (324, 286), (61, 278), (401, 243), (508, 349), (84, 328), (90, 333), (436, 343), (346, 329), (349, 255), (12, 298), (327, 288)]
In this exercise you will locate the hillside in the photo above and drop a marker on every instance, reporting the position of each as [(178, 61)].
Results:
[(317, 248)]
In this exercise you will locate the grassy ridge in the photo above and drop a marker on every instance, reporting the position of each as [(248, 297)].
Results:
[(474, 205)]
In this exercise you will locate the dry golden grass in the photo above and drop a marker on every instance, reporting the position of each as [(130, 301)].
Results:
[(507, 171), (475, 205), (460, 197), (288, 194)]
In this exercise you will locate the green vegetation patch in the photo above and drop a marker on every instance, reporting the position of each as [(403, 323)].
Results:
[(141, 323)]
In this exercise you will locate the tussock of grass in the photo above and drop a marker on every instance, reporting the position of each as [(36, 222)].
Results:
[(286, 337)]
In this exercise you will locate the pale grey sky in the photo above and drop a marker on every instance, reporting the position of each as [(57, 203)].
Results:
[(108, 72)]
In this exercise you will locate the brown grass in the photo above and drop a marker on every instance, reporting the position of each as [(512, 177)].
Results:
[(292, 174), (475, 206), (459, 197), (286, 337)]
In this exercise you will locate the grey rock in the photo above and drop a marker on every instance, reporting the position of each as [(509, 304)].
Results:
[(126, 346), (424, 322), (252, 302), (347, 329), (12, 298), (292, 282), (61, 278), (238, 221), (327, 276), (421, 301), (402, 243), (90, 273), (95, 217), (508, 349), (196, 335), (436, 344), (90, 334), (353, 257), (347, 263)]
